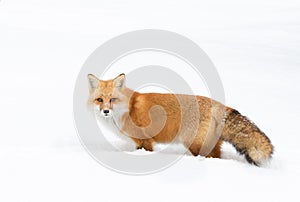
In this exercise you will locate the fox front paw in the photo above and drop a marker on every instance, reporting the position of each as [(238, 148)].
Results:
[(139, 147)]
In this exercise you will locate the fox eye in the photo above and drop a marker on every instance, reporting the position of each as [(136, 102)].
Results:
[(113, 99), (99, 99)]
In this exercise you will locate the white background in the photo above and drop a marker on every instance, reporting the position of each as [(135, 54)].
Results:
[(255, 46)]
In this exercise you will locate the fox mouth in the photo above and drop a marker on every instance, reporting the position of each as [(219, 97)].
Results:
[(106, 115)]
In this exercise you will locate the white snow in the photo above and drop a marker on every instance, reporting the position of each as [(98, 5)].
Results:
[(255, 46)]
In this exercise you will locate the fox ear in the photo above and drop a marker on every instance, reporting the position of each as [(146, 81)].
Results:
[(93, 81), (119, 81)]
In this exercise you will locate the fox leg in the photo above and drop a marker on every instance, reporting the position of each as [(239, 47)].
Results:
[(193, 144), (143, 143), (216, 152), (148, 144), (138, 143), (195, 149), (196, 146), (205, 143)]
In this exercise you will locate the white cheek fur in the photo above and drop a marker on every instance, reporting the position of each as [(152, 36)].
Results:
[(112, 123), (118, 111), (115, 116)]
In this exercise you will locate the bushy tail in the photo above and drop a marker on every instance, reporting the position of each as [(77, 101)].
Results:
[(246, 137)]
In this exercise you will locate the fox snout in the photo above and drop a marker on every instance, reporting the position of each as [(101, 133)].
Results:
[(106, 112), (105, 108)]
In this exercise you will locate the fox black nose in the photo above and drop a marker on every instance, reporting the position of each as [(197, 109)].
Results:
[(106, 111)]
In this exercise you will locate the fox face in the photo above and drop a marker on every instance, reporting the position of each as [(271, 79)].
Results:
[(106, 95)]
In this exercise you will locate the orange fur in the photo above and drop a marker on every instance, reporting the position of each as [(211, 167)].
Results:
[(208, 122)]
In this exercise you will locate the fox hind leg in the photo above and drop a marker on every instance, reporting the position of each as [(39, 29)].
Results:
[(205, 142), (216, 152)]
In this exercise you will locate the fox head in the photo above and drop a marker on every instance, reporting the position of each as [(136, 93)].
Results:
[(106, 95)]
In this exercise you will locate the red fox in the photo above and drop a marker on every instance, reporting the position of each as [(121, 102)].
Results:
[(135, 115)]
